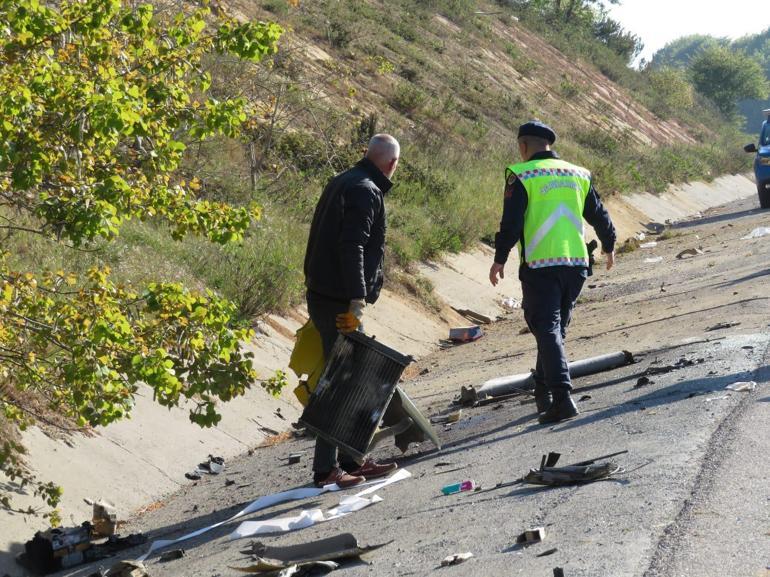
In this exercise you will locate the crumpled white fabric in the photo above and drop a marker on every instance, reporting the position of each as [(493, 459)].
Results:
[(310, 517), (275, 499)]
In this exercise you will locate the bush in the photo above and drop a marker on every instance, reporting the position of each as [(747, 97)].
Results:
[(407, 98)]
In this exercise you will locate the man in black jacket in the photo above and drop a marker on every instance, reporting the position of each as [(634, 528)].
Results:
[(343, 272)]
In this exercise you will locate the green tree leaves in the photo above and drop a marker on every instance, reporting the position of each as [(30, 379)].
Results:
[(726, 76), (98, 103)]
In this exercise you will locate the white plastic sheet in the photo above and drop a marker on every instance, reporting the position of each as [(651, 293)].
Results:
[(757, 233), (270, 500), (310, 517)]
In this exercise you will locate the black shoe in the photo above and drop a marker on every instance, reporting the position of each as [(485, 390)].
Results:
[(543, 401), (562, 408)]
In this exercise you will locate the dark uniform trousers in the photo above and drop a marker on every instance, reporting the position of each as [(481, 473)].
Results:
[(549, 297), (323, 312)]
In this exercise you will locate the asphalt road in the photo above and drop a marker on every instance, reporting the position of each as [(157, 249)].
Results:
[(692, 497)]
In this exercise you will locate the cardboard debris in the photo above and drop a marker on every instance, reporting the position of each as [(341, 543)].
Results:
[(105, 518), (473, 316), (465, 334)]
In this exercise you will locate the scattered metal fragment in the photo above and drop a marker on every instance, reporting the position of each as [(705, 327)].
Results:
[(720, 326), (229, 482), (680, 364), (558, 572), (343, 546), (582, 472), (531, 536), (294, 458), (172, 555), (456, 559), (547, 552), (689, 252), (585, 398), (643, 382), (449, 418), (312, 569)]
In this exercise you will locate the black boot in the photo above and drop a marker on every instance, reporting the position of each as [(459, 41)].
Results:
[(561, 409), (543, 400), (543, 397)]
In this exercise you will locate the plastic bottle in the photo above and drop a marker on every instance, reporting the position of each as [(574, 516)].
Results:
[(469, 485)]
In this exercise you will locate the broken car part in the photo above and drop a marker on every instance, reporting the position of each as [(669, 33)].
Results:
[(355, 392), (514, 383), (339, 547)]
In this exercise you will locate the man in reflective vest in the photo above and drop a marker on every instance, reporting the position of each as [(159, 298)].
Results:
[(546, 200)]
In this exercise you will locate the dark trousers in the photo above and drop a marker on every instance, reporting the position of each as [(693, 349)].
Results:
[(549, 297), (323, 312)]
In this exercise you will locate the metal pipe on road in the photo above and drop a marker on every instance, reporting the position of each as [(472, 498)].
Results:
[(513, 383)]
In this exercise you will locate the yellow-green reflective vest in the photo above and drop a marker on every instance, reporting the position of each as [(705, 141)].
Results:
[(553, 222)]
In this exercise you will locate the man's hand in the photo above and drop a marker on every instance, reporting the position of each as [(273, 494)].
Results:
[(610, 259), (495, 271), (350, 321)]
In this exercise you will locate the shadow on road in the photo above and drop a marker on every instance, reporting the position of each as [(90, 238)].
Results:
[(729, 216), (675, 392)]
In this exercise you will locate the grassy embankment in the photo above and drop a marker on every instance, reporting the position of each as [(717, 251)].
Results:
[(426, 80)]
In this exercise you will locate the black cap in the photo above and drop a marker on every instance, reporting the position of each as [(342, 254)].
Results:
[(537, 128)]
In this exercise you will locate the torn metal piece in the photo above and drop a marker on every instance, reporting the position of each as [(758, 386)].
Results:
[(311, 569), (720, 326), (689, 252), (456, 559), (531, 536), (547, 553), (344, 546), (570, 475), (295, 458), (558, 572)]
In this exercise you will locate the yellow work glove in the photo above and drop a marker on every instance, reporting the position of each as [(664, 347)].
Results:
[(349, 321)]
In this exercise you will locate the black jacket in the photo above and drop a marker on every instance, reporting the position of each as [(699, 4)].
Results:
[(515, 205), (346, 246)]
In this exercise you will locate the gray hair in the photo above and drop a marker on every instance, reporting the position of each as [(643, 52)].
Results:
[(383, 148)]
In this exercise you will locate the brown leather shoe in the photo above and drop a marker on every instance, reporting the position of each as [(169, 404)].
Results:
[(371, 469), (340, 477)]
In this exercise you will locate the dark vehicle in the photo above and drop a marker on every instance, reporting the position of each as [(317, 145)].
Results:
[(762, 162)]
